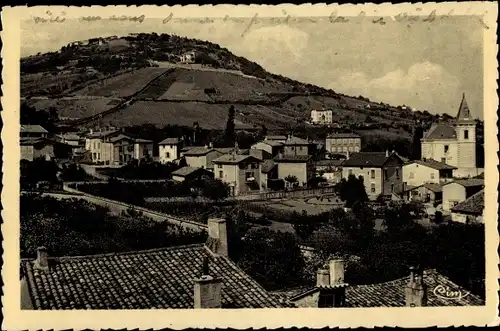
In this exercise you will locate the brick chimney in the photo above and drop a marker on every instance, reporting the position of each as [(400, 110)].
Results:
[(42, 261), (217, 236), (207, 289), (336, 267), (416, 290), (323, 277)]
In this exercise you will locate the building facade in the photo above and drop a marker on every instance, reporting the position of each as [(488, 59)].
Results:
[(382, 172), (201, 157), (240, 172), (418, 172), (299, 166), (169, 149), (459, 190)]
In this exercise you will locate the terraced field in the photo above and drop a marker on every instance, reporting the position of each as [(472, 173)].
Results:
[(123, 85)]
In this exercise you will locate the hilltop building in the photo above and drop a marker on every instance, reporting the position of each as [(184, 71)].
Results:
[(323, 116), (454, 144)]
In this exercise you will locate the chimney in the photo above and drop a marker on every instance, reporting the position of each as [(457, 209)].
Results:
[(416, 290), (336, 267), (386, 153), (210, 145), (217, 236), (347, 155), (42, 262), (207, 289), (323, 277)]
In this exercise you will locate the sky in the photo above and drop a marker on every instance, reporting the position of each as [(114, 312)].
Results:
[(423, 65)]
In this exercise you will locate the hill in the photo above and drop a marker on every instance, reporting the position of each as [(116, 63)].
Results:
[(139, 79)]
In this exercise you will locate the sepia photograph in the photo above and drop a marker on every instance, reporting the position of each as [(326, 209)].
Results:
[(245, 159)]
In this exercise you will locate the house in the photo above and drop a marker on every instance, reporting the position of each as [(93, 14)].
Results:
[(34, 148), (296, 146), (469, 211), (453, 144), (343, 143), (268, 174), (201, 157), (180, 277), (33, 131), (169, 149), (418, 172), (240, 172), (72, 139), (189, 173), (273, 147), (427, 288), (322, 116), (260, 154), (331, 170), (123, 149), (188, 57), (94, 142), (381, 172), (427, 193), (298, 166), (459, 190)]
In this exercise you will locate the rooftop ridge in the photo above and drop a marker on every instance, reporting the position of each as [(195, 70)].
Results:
[(145, 251)]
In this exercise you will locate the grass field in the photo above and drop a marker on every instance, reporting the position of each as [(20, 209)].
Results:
[(75, 108), (122, 85), (311, 205)]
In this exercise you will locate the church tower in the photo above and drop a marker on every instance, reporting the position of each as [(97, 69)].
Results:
[(466, 136)]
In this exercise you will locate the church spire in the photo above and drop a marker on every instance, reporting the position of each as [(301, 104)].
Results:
[(463, 110)]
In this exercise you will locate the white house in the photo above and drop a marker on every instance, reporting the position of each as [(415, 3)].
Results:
[(459, 190), (453, 144), (169, 149), (418, 172), (323, 116)]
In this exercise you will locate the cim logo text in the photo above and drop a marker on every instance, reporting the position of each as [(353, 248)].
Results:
[(445, 292)]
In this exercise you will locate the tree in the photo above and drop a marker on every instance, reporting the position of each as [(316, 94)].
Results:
[(272, 258), (352, 190), (214, 189), (229, 134), (291, 180), (416, 145), (303, 225)]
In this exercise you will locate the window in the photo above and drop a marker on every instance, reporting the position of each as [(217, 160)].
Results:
[(300, 148), (344, 141), (443, 160), (432, 175), (219, 166), (372, 188), (350, 172), (293, 148), (130, 148), (412, 175), (446, 147), (397, 173), (326, 300), (386, 174), (392, 187), (221, 174), (466, 134), (167, 154), (356, 149), (345, 149), (372, 174)]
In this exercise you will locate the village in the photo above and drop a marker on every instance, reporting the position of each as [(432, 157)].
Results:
[(282, 194)]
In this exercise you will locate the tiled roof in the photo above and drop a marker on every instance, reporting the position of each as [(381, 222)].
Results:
[(102, 134), (440, 131), (70, 136), (344, 135), (472, 205), (276, 137), (120, 137), (392, 293), (267, 165), (367, 159), (235, 159), (469, 182), (33, 128), (160, 278), (28, 141), (225, 150), (329, 163), (292, 158), (272, 143), (434, 164), (296, 141), (185, 171), (169, 141), (198, 151), (140, 140)]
